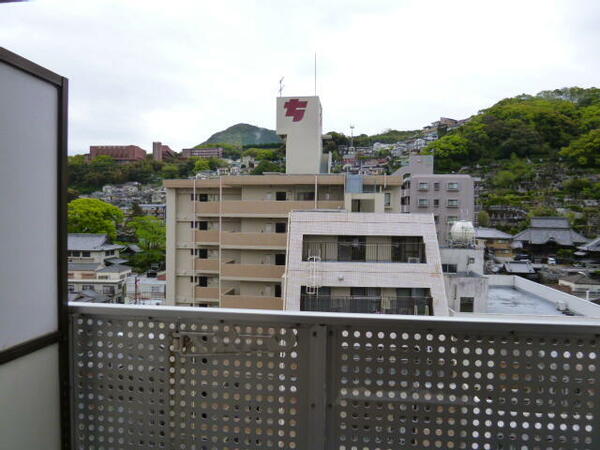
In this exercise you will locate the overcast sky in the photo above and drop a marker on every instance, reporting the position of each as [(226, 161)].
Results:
[(178, 71)]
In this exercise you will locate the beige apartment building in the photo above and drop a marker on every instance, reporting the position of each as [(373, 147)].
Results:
[(227, 236)]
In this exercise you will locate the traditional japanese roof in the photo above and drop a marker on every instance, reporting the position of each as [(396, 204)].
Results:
[(518, 267), (550, 229), (491, 233), (117, 268), (579, 278), (87, 267), (592, 246), (90, 242)]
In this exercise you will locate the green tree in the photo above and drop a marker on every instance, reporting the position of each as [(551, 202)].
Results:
[(201, 165), (266, 166), (483, 218), (90, 215), (169, 171), (150, 233), (584, 151)]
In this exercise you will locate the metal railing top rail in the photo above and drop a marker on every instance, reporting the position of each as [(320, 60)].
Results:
[(515, 323)]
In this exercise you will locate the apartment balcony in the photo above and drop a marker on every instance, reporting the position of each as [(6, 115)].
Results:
[(252, 272), (265, 208), (251, 302), (163, 377), (372, 305), (207, 237), (401, 252), (207, 265), (267, 241), (206, 293)]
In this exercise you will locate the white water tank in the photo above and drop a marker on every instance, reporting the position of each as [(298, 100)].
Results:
[(462, 232)]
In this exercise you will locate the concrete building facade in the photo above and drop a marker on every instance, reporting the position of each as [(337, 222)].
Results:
[(120, 153), (363, 262), (449, 197), (227, 236), (209, 152)]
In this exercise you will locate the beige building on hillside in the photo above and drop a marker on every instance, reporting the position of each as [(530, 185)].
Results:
[(227, 236)]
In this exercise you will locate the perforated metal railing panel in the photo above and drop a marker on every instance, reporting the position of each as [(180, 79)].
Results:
[(183, 378)]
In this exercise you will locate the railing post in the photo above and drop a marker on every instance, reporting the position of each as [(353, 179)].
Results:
[(317, 387)]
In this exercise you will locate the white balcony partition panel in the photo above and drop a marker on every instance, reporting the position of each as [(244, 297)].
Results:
[(189, 378), (32, 117)]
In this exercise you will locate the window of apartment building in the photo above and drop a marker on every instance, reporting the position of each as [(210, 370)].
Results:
[(281, 227), (453, 186), (423, 203), (108, 290), (452, 219), (436, 186), (86, 254), (280, 259), (281, 196), (88, 287), (201, 253), (200, 197), (423, 186), (74, 253), (103, 277), (277, 290), (405, 176), (305, 196), (202, 281), (387, 199), (200, 225), (449, 268), (466, 304), (351, 248), (470, 260), (452, 203), (436, 202)]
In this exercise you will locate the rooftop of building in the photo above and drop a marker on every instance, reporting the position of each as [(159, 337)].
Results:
[(90, 242), (279, 179), (592, 246), (545, 230), (509, 300), (491, 233), (549, 222), (579, 278), (83, 267), (117, 268)]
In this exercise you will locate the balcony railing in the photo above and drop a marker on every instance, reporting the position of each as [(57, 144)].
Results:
[(402, 252), (189, 378), (373, 305)]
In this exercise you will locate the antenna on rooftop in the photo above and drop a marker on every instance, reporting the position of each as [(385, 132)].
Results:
[(315, 74), (281, 86), (351, 136)]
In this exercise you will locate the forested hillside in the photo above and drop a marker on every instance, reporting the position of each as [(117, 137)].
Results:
[(559, 125)]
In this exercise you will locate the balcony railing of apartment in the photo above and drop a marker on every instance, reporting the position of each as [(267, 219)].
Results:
[(377, 305), (189, 378), (401, 252)]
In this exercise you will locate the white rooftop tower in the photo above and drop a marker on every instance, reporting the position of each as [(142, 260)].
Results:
[(300, 122)]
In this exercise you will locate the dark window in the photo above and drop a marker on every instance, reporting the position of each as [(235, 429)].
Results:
[(466, 304), (280, 259), (277, 290), (202, 253), (436, 202), (202, 197), (281, 227), (108, 290), (352, 248), (305, 196), (202, 281), (86, 254), (281, 196), (436, 186), (202, 225), (449, 268)]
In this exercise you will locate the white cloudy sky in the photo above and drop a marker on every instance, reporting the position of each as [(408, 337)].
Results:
[(178, 71)]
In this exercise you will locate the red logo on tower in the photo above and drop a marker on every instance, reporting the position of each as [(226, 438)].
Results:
[(295, 108)]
